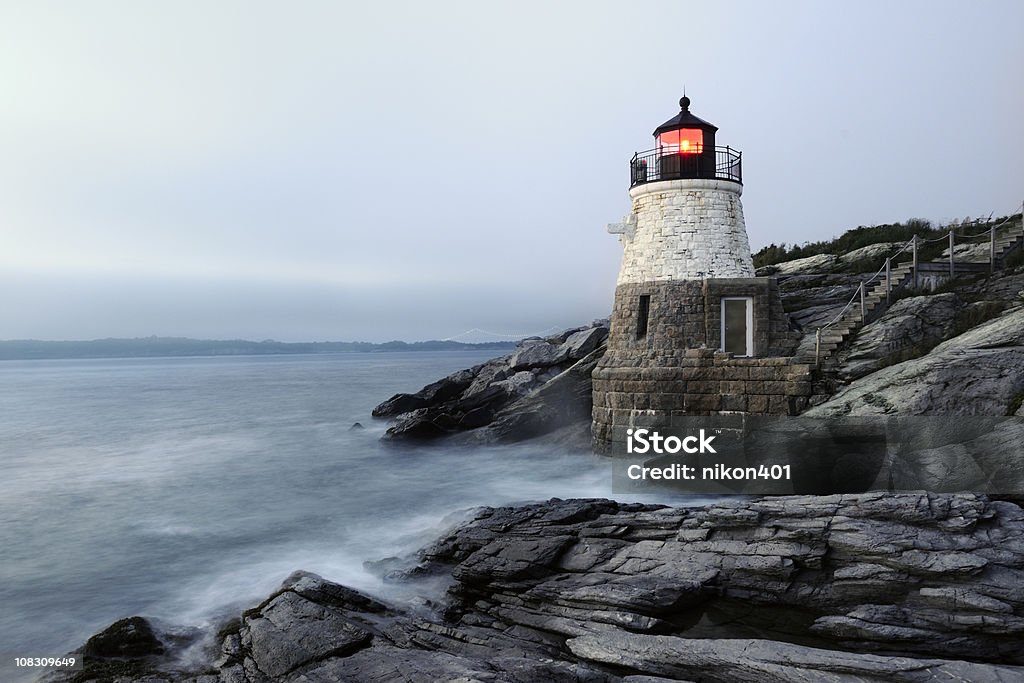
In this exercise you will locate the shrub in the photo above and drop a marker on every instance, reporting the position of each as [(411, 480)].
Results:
[(863, 236)]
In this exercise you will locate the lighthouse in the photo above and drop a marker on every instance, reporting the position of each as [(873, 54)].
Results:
[(687, 218), (693, 330)]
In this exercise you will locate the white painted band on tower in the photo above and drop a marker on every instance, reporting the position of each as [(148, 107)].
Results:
[(686, 229)]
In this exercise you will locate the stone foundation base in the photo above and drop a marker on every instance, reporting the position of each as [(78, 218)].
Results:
[(702, 382)]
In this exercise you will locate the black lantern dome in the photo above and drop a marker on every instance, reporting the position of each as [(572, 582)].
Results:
[(685, 148), (686, 127)]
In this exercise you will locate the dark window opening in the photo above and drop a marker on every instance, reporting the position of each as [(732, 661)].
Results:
[(643, 311)]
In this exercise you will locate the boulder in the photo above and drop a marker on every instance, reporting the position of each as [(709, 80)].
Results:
[(819, 263), (433, 394), (879, 250), (128, 638), (307, 620), (517, 384), (538, 355), (582, 343), (975, 251), (290, 631), (490, 372)]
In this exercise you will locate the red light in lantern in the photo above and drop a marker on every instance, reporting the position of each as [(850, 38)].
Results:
[(682, 141)]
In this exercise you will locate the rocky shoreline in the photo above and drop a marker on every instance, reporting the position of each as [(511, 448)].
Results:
[(883, 586), (866, 587)]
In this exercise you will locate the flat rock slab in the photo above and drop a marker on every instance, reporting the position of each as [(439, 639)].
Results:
[(764, 661)]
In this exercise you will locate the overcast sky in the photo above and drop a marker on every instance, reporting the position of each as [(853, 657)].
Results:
[(380, 170)]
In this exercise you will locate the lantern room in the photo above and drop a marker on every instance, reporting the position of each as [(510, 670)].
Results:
[(684, 147)]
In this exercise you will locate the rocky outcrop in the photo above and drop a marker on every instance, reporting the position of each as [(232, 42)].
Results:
[(564, 401), (870, 587), (757, 661), (812, 300), (542, 387), (908, 329), (819, 263), (830, 263), (979, 372)]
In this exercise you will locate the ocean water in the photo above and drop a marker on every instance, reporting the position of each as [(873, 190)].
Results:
[(185, 489)]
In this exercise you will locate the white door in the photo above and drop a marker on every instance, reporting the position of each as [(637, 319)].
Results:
[(738, 326)]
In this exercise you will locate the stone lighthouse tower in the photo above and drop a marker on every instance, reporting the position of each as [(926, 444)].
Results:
[(687, 220), (693, 331)]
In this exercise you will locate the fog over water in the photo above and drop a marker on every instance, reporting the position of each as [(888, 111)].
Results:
[(369, 171)]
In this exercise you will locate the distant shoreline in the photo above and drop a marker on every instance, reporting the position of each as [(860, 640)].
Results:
[(176, 347)]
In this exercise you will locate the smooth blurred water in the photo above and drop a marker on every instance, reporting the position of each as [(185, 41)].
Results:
[(184, 488)]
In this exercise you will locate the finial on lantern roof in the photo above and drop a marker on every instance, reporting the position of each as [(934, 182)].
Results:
[(684, 102)]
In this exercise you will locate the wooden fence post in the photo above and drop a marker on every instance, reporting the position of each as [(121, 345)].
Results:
[(992, 251), (888, 281), (913, 243), (950, 253)]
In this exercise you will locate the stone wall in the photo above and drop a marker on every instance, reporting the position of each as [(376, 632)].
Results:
[(687, 315), (675, 319), (685, 230), (702, 382), (772, 335)]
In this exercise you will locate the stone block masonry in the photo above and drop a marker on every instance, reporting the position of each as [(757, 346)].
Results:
[(701, 382), (688, 315), (686, 230)]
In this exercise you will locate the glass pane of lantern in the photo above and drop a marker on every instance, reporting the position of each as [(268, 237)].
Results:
[(735, 318), (683, 141)]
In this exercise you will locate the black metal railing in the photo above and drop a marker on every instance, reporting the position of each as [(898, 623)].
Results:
[(662, 164)]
